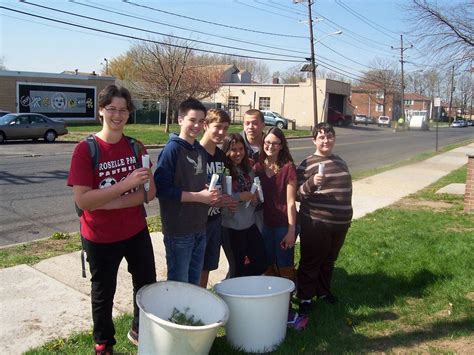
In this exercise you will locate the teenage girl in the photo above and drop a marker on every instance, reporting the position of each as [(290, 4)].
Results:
[(278, 178), (246, 242)]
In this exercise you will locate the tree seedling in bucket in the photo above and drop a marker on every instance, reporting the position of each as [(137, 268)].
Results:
[(181, 318)]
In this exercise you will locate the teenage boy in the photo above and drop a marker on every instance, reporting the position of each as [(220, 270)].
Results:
[(215, 129), (181, 180), (110, 194), (254, 123), (326, 213)]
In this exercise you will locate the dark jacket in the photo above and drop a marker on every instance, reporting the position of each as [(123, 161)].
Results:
[(181, 167)]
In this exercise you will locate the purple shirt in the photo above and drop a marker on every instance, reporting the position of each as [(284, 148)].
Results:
[(275, 208)]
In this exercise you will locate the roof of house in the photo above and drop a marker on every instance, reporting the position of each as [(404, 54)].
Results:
[(415, 97)]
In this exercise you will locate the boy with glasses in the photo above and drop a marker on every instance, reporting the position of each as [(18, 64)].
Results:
[(110, 195), (326, 214)]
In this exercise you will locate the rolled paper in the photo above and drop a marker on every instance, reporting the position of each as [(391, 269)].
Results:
[(320, 172), (252, 190), (228, 185), (321, 169), (259, 188), (146, 164), (213, 183)]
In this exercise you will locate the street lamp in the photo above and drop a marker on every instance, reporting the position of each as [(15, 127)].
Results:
[(106, 66), (327, 35)]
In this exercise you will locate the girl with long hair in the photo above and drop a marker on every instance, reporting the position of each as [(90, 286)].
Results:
[(246, 242), (277, 174)]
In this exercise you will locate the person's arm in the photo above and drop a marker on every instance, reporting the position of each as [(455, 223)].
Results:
[(289, 239), (90, 199), (165, 172), (306, 187), (132, 199), (204, 196)]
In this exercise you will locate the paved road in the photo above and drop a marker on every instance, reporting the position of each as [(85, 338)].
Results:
[(35, 201)]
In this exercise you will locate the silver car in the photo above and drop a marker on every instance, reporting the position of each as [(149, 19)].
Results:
[(30, 126)]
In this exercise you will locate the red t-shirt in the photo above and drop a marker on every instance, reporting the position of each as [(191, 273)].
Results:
[(116, 162), (275, 209)]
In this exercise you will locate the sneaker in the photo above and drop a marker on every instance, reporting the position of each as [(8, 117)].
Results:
[(104, 349), (292, 316), (133, 336), (305, 308), (330, 298), (301, 322)]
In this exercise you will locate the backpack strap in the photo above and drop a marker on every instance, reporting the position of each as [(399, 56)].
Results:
[(94, 153), (137, 149), (93, 150)]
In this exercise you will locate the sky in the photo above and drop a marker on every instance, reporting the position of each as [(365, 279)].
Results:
[(276, 29)]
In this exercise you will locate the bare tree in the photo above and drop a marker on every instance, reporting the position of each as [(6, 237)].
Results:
[(381, 82), (2, 65), (293, 75), (447, 31), (261, 73), (170, 71), (464, 92)]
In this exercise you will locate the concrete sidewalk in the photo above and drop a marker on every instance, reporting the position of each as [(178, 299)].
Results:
[(50, 299)]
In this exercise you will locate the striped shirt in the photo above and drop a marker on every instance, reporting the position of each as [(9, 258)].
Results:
[(332, 202)]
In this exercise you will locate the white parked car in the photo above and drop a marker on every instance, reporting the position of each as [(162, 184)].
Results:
[(384, 121)]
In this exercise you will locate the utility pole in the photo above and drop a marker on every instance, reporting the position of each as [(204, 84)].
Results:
[(402, 49), (312, 61), (451, 96)]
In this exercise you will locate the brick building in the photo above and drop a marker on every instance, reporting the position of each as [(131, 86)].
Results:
[(372, 102)]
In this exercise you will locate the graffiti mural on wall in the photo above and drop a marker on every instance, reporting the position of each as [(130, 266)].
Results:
[(57, 101)]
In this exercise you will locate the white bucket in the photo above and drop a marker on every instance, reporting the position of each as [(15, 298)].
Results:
[(258, 311), (157, 335)]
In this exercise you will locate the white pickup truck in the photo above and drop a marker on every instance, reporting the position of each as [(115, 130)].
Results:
[(418, 120)]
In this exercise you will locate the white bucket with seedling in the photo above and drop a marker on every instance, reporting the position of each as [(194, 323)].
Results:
[(258, 311), (178, 318)]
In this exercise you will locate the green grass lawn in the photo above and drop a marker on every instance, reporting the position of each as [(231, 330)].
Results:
[(404, 280), (151, 133)]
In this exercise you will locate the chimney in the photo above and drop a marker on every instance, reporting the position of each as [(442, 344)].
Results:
[(276, 81), (469, 192)]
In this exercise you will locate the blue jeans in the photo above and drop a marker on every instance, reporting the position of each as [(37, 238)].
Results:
[(185, 257), (272, 236)]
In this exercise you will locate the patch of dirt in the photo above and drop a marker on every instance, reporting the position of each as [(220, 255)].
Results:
[(414, 204), (470, 296), (463, 345)]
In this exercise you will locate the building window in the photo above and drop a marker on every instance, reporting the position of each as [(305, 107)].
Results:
[(408, 102), (233, 102), (264, 103), (379, 95), (379, 108)]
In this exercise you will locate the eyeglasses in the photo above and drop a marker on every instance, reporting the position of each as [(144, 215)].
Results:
[(268, 144), (113, 110), (323, 138)]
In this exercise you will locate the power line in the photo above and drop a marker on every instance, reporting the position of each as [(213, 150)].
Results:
[(210, 22), (114, 11), (268, 11), (366, 20), (281, 7), (342, 55), (346, 30), (148, 40), (154, 32)]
